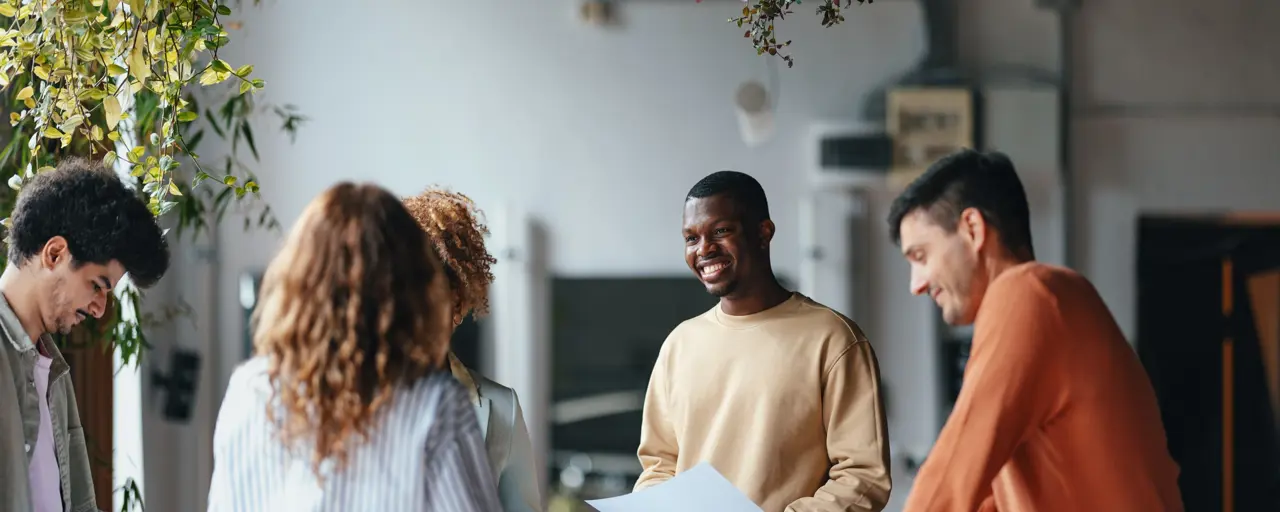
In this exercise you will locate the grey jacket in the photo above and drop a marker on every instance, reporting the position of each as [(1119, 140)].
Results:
[(505, 437), (20, 421)]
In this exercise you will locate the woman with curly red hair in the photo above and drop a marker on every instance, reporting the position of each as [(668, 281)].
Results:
[(455, 229), (347, 404)]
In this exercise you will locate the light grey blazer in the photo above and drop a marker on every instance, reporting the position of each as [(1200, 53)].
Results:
[(505, 437)]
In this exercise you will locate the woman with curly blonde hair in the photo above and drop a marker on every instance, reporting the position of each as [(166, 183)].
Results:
[(455, 229), (347, 405)]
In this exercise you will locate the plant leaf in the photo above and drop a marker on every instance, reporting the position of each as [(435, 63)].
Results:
[(111, 109), (248, 138)]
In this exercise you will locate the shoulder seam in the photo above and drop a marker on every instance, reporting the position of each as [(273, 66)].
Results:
[(854, 334)]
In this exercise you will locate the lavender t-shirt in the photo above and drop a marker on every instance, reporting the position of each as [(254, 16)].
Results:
[(46, 486)]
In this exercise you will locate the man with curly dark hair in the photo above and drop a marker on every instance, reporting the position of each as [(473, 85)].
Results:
[(455, 228), (74, 233)]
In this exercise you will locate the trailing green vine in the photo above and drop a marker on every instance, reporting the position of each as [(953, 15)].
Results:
[(759, 16)]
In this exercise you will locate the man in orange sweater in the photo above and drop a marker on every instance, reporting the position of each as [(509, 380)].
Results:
[(1056, 413), (777, 392)]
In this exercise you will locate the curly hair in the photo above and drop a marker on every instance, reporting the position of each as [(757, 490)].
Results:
[(455, 227), (353, 306), (101, 218)]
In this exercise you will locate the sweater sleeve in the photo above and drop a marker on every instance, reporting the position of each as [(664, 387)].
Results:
[(658, 442), (857, 439), (1009, 390)]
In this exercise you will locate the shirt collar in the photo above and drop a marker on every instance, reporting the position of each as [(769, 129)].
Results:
[(17, 337), (463, 375), (14, 333)]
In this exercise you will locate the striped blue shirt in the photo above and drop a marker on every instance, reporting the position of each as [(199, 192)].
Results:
[(425, 453)]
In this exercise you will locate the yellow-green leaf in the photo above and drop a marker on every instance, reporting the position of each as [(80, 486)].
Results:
[(72, 122), (14, 118), (41, 72), (244, 71), (116, 70), (138, 64), (52, 133), (220, 65), (110, 158), (245, 86), (188, 116), (25, 93), (229, 181), (95, 133), (111, 107), (8, 10), (136, 153), (211, 77), (29, 102), (173, 188)]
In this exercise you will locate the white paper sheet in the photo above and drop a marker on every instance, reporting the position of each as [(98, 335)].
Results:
[(699, 489)]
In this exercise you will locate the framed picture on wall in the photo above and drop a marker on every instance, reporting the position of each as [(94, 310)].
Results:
[(927, 123)]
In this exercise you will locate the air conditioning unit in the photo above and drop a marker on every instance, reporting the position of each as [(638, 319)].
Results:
[(848, 154)]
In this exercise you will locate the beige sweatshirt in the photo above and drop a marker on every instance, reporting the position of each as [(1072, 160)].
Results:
[(784, 403)]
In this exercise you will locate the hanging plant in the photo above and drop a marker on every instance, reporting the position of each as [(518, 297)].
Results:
[(758, 17), (115, 81)]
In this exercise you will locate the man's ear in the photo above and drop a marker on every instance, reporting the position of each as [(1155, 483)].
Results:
[(973, 227), (766, 232), (54, 252)]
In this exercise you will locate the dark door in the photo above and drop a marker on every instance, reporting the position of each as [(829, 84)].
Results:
[(1199, 338)]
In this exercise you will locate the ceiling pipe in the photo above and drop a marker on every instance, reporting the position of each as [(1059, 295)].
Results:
[(939, 65)]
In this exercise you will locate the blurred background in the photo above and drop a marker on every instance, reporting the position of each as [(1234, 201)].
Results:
[(1145, 131)]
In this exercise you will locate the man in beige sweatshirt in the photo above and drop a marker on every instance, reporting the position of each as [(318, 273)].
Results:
[(779, 393)]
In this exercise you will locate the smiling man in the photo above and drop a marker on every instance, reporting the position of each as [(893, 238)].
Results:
[(779, 393), (1056, 412), (74, 233)]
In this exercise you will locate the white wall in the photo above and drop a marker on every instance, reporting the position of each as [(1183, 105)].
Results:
[(1178, 110)]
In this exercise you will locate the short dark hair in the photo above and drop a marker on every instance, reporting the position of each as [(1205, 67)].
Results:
[(741, 187), (101, 218), (969, 179)]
